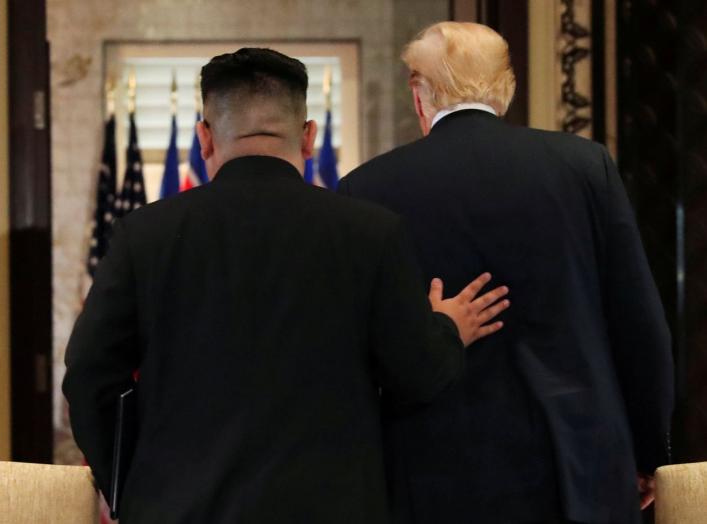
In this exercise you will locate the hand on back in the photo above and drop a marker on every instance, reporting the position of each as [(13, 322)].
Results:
[(471, 315)]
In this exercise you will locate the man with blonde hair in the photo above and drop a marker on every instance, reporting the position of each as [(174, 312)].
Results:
[(558, 412)]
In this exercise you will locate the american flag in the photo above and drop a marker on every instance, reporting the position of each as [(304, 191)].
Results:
[(108, 208), (102, 226), (133, 194)]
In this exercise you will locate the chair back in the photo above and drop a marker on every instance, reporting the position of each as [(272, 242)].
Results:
[(43, 493), (681, 494)]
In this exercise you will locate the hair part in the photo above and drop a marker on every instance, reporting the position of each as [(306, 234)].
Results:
[(457, 62)]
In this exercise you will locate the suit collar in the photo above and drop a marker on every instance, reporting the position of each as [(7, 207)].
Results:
[(461, 107), (262, 167), (464, 117)]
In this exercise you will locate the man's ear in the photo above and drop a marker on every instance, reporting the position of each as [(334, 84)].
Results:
[(423, 119), (206, 140), (309, 136), (418, 103)]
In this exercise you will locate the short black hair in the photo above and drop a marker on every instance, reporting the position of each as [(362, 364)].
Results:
[(256, 71)]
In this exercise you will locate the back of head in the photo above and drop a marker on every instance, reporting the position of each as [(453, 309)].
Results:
[(254, 96), (457, 62)]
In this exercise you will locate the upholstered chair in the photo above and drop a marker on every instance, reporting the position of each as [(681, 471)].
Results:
[(681, 494), (42, 493)]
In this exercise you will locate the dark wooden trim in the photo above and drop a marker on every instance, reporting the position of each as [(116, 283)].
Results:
[(662, 154), (598, 72), (30, 233), (489, 12), (464, 10), (681, 345), (510, 19)]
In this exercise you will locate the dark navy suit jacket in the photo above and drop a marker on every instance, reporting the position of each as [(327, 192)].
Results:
[(557, 412)]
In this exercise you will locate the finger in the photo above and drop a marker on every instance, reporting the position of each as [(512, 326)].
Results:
[(647, 500), (470, 291), (436, 289), (489, 298), (492, 312), (490, 329)]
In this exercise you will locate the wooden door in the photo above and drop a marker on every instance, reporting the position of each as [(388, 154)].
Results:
[(30, 233)]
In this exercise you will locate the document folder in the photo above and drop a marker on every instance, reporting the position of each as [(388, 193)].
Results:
[(123, 446)]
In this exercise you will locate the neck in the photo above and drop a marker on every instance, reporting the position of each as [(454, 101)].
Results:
[(263, 145)]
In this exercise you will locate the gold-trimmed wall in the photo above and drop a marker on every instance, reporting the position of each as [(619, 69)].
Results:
[(4, 245), (545, 44), (544, 76)]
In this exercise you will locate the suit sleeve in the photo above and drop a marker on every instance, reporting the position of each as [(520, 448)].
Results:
[(638, 329), (344, 186), (417, 352), (101, 357)]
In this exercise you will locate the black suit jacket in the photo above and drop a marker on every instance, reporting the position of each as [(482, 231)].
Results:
[(554, 410), (263, 315)]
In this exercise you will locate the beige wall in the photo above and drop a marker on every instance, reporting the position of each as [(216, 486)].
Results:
[(4, 247), (411, 16), (545, 78), (78, 30)]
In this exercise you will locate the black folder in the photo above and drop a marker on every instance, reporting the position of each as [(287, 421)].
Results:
[(123, 446)]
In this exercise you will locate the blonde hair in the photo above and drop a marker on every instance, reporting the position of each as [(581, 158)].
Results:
[(460, 62)]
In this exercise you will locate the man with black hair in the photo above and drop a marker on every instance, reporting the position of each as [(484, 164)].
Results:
[(263, 314)]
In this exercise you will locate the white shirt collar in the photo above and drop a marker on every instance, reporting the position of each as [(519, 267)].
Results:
[(460, 107)]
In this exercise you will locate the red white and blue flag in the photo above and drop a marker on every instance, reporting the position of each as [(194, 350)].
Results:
[(170, 178), (196, 175), (326, 164)]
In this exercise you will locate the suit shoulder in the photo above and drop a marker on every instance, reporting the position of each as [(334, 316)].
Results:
[(354, 211), (159, 213), (392, 157), (384, 168), (577, 153), (565, 143)]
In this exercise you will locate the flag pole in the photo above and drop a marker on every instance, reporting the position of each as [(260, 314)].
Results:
[(326, 88), (197, 95), (132, 90), (110, 96), (174, 97), (171, 179), (327, 156)]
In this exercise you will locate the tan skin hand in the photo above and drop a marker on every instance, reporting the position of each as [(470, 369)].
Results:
[(471, 315)]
